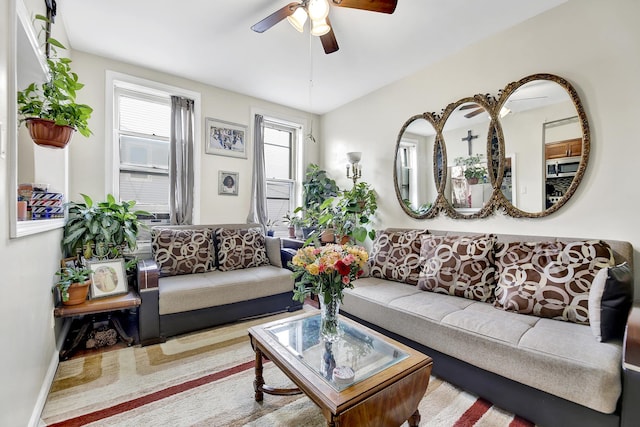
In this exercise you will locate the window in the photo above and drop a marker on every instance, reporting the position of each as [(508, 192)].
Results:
[(279, 161), (142, 134)]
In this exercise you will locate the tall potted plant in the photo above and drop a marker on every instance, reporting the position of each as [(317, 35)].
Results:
[(101, 229), (357, 207), (49, 109), (317, 187)]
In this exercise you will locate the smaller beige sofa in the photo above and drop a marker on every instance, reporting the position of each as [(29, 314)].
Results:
[(549, 371), (206, 275)]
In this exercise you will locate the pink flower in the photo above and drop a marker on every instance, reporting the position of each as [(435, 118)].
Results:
[(345, 280), (348, 259)]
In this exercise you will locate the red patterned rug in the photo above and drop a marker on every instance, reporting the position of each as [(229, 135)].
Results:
[(206, 379)]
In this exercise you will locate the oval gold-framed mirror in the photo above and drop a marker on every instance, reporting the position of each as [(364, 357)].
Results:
[(418, 166), (468, 188), (546, 145)]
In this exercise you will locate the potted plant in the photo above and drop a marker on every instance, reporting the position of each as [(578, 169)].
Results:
[(474, 168), (73, 284), (101, 230), (49, 109), (316, 187), (293, 222), (355, 208)]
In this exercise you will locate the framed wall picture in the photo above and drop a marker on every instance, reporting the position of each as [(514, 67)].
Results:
[(108, 278), (69, 262), (228, 183), (225, 138)]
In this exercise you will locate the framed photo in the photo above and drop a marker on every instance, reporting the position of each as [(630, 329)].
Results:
[(69, 262), (108, 278), (228, 183), (225, 138)]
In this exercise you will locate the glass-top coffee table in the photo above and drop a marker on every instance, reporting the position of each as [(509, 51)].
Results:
[(362, 379)]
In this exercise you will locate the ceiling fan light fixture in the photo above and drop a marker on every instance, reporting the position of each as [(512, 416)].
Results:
[(298, 19), (320, 28), (318, 10)]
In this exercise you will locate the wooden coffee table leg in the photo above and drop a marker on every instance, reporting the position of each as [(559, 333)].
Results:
[(258, 383), (414, 420)]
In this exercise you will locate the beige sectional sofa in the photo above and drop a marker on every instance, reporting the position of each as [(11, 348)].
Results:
[(206, 275), (549, 371)]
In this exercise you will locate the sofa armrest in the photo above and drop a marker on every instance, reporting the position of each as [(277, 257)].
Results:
[(631, 353), (292, 243), (149, 310)]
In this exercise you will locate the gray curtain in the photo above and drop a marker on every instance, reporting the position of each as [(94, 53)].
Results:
[(258, 211), (181, 161)]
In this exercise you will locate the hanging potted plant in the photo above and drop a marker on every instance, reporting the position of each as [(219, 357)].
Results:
[(73, 284), (49, 109)]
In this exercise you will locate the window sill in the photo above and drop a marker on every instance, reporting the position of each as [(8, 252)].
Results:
[(26, 228)]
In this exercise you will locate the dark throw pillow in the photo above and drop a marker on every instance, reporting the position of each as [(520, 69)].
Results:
[(610, 300)]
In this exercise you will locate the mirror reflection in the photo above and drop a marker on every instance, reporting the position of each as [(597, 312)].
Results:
[(540, 124), (468, 187), (414, 167)]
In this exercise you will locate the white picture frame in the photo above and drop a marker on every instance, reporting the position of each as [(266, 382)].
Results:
[(108, 278), (225, 138), (228, 183)]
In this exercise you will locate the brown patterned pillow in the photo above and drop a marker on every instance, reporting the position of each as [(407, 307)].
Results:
[(549, 279), (182, 251), (241, 248), (395, 255), (458, 265)]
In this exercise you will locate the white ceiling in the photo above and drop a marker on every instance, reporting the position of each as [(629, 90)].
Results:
[(210, 41)]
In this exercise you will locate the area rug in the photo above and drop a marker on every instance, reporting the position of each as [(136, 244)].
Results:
[(206, 379)]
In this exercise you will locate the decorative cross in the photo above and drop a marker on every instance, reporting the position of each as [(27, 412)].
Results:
[(469, 138)]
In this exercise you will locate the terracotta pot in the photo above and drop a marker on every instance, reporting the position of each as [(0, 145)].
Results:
[(292, 232), (47, 133), (327, 236), (472, 181), (77, 293)]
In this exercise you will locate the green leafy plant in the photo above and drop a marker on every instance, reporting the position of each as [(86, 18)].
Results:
[(67, 276), (351, 212), (474, 166), (316, 187), (55, 99), (108, 227)]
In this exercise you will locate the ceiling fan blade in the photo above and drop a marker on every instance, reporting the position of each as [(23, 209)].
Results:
[(382, 6), (474, 113), (275, 17), (469, 106), (329, 42)]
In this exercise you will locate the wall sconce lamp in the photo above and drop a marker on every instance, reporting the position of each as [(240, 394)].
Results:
[(354, 164)]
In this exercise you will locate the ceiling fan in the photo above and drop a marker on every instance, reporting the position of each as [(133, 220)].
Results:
[(478, 110), (318, 12)]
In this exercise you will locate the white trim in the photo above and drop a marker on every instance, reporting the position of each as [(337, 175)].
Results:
[(113, 79)]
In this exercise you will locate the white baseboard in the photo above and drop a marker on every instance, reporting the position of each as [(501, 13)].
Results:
[(35, 420)]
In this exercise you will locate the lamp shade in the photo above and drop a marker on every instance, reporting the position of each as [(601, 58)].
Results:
[(354, 156), (320, 28), (318, 10), (298, 19)]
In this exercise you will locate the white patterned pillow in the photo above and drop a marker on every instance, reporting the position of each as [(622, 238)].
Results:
[(241, 248), (549, 279), (182, 251), (396, 255), (458, 265)]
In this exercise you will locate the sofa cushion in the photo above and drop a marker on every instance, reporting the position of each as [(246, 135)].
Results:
[(458, 265), (395, 255), (610, 300), (240, 248), (182, 251), (192, 292), (549, 279)]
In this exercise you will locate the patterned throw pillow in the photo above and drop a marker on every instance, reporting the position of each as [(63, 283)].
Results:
[(182, 251), (458, 265), (549, 279), (241, 248), (396, 256)]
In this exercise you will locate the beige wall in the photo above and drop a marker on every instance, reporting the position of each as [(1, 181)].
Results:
[(593, 44), (87, 171)]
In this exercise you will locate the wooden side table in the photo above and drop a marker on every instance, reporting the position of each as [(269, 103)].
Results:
[(90, 309)]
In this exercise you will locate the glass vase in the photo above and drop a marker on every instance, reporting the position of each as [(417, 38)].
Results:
[(329, 322)]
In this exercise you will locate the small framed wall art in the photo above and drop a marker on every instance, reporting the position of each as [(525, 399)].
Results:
[(228, 183), (225, 138), (108, 278)]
